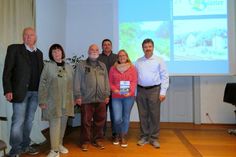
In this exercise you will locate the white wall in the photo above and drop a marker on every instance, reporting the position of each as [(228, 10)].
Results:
[(50, 23), (88, 22), (211, 93)]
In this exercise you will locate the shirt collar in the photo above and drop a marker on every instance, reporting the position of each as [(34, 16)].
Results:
[(29, 49), (152, 57)]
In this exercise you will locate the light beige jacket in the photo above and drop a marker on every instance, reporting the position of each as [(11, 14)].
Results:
[(52, 93)]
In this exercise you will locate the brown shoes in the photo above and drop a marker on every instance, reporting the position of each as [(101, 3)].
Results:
[(98, 144), (84, 147), (123, 142), (116, 140)]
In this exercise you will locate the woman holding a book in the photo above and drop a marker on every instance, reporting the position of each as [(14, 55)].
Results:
[(123, 82)]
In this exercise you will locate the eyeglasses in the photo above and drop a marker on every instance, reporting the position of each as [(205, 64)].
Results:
[(122, 56)]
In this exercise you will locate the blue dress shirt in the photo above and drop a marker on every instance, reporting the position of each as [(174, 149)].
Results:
[(152, 71)]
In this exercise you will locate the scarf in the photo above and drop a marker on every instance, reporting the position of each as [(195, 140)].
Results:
[(123, 67)]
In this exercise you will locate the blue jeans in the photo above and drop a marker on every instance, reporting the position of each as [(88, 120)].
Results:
[(22, 122), (121, 109)]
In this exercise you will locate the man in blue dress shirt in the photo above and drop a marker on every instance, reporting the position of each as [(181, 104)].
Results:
[(153, 82)]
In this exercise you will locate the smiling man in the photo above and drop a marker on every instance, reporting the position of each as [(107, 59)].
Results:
[(153, 81), (91, 92), (22, 70), (108, 58)]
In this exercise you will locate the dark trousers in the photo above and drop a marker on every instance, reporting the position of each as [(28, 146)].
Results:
[(149, 112), (93, 116), (111, 111)]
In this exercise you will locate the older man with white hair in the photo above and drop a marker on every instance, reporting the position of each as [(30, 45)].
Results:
[(22, 70), (91, 92)]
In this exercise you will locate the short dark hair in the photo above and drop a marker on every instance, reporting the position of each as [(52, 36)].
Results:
[(54, 47), (148, 40), (106, 40)]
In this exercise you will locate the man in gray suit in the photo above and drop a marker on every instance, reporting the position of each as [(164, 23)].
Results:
[(22, 69)]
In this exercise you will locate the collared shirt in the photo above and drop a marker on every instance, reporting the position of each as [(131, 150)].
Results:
[(152, 71), (29, 49)]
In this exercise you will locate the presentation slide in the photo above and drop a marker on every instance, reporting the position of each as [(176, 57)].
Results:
[(190, 35)]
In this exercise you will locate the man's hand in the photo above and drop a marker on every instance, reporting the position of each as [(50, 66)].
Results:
[(107, 100), (9, 96), (162, 98), (78, 101)]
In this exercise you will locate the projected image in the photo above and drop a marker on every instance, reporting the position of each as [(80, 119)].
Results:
[(131, 36), (190, 35), (199, 7), (207, 41)]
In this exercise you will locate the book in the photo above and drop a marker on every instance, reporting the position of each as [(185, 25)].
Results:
[(124, 87)]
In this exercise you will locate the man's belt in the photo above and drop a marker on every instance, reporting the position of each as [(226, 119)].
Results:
[(149, 87)]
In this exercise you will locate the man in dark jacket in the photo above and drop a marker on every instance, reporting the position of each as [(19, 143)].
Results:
[(108, 58), (21, 74)]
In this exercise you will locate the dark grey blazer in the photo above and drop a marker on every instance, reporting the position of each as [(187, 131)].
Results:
[(17, 71)]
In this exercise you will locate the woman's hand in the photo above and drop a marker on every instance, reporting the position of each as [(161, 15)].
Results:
[(116, 91), (127, 94), (43, 106)]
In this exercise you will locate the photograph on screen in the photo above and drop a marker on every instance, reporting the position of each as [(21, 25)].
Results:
[(132, 35), (207, 41)]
